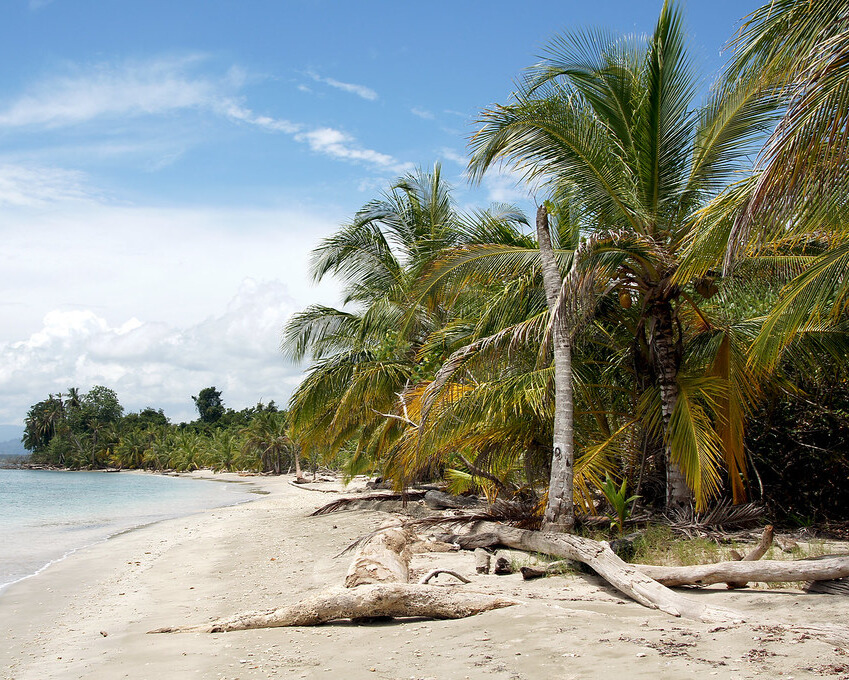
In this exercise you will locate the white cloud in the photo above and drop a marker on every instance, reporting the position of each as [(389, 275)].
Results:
[(236, 111), (422, 113), (453, 156), (128, 261), (156, 364), (164, 86), (505, 185), (125, 90), (338, 144), (30, 185), (359, 90)]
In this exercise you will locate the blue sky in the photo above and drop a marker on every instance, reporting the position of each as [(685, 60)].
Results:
[(166, 167)]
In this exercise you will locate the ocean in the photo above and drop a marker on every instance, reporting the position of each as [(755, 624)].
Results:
[(46, 515)]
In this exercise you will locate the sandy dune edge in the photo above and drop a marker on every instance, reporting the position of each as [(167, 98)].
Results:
[(267, 552)]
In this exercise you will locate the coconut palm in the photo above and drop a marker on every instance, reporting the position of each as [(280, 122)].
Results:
[(267, 440), (369, 353), (614, 119), (797, 203)]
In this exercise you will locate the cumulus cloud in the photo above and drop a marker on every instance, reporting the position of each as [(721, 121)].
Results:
[(359, 90), (156, 364)]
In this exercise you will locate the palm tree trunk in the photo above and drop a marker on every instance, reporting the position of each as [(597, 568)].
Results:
[(559, 510), (297, 453), (678, 494)]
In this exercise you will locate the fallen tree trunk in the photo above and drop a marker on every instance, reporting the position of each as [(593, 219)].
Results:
[(376, 588), (368, 601), (623, 576), (439, 500), (764, 570), (755, 554)]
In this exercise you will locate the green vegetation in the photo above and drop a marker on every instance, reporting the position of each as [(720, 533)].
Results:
[(656, 327), (90, 431)]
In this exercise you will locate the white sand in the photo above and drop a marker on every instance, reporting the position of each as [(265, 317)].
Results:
[(268, 552)]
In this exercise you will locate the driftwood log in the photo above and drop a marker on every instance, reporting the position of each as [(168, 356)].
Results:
[(623, 576), (765, 571), (755, 554), (530, 573), (376, 587), (439, 500), (839, 586), (828, 568), (363, 602)]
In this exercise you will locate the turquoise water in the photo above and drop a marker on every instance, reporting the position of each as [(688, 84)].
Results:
[(46, 515)]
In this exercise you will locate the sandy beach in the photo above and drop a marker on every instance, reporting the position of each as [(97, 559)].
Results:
[(87, 616)]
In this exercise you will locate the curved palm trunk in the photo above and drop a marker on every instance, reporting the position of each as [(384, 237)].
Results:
[(678, 494), (560, 510)]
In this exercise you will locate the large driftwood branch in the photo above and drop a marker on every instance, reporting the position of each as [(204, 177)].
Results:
[(621, 575), (363, 602), (764, 570), (376, 587)]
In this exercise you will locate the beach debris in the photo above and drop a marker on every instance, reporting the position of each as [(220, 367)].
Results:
[(503, 566), (433, 573), (104, 633), (482, 561), (529, 573), (372, 501), (439, 500), (627, 578), (376, 588), (755, 554), (837, 586)]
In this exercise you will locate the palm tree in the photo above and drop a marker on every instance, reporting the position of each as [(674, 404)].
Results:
[(797, 201), (614, 120), (369, 353), (266, 441)]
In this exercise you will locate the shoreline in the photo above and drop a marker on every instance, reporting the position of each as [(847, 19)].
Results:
[(200, 475), (88, 615)]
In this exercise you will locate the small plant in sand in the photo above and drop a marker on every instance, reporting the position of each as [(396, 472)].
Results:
[(619, 500)]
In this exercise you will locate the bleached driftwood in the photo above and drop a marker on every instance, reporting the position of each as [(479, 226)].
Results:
[(482, 561), (362, 602), (647, 584), (755, 554), (376, 587), (623, 576), (764, 571), (383, 558)]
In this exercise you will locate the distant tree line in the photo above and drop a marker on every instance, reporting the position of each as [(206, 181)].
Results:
[(90, 430)]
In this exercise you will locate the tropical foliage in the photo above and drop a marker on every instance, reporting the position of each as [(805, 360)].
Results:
[(672, 250), (90, 431)]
